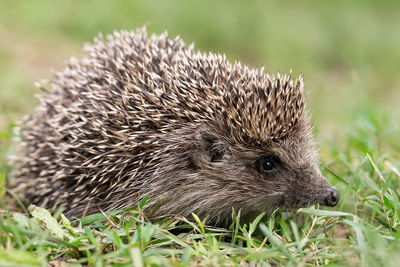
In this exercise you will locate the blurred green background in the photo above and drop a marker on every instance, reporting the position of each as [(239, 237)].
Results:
[(348, 51)]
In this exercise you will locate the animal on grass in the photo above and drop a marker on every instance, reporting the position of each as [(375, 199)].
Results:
[(148, 115)]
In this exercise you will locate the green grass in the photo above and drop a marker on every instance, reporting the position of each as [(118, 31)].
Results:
[(348, 53)]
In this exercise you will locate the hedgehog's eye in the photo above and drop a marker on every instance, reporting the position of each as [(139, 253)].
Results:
[(266, 164)]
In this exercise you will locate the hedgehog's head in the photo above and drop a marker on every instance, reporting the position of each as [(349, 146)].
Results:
[(258, 153), (241, 139)]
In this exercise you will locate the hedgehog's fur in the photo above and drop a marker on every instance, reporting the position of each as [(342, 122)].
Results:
[(150, 116)]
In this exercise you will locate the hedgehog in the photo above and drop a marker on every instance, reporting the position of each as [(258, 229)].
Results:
[(148, 116)]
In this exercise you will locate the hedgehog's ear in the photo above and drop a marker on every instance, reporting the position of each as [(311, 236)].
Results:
[(211, 146), (214, 149), (207, 148)]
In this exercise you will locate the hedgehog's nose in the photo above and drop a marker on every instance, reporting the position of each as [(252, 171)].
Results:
[(332, 196)]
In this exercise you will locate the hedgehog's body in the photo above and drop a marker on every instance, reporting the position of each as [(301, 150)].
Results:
[(148, 116)]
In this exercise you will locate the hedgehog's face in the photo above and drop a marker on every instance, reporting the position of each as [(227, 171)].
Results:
[(281, 173), (288, 171)]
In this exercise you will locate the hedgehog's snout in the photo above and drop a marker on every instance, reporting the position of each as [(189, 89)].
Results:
[(332, 196)]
